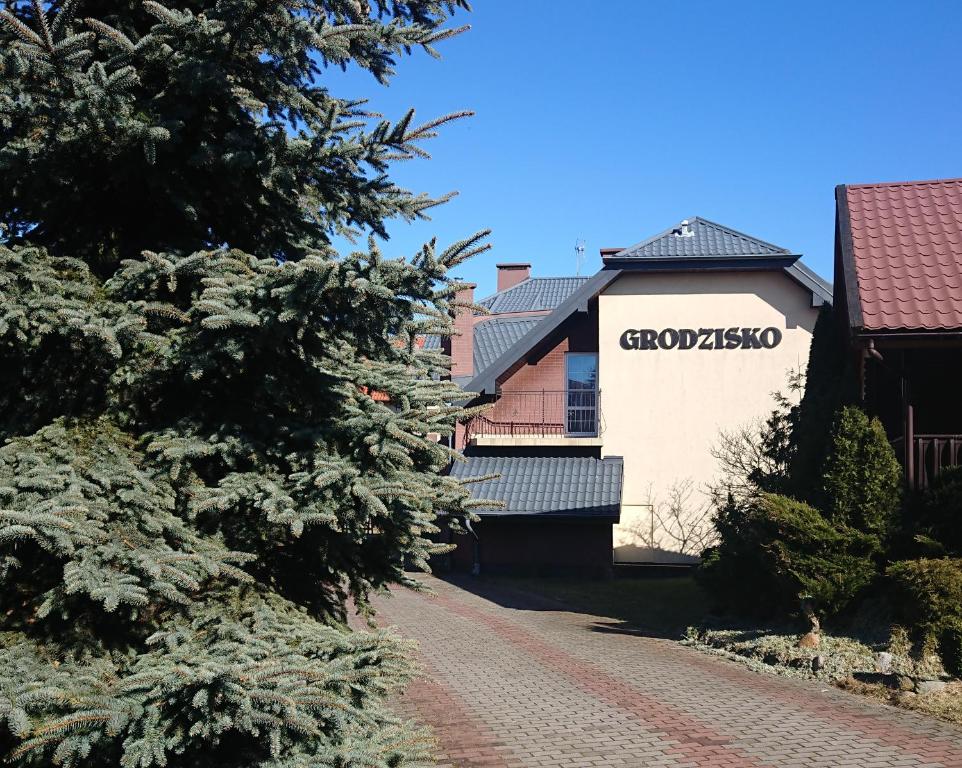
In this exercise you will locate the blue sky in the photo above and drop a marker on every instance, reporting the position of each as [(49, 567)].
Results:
[(609, 122)]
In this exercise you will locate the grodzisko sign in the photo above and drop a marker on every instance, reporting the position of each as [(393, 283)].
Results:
[(702, 338)]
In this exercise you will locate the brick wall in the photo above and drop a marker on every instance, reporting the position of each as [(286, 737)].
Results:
[(509, 275), (460, 347), (544, 371)]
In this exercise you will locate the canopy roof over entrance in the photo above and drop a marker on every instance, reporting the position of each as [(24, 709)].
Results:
[(555, 486)]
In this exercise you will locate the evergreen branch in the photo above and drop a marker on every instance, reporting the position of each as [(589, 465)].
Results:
[(20, 29), (41, 18), (110, 33), (64, 16)]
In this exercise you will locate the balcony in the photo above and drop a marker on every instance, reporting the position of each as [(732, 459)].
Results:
[(563, 417), (928, 457)]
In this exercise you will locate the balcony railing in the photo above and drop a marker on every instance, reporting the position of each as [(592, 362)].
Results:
[(562, 413), (928, 457)]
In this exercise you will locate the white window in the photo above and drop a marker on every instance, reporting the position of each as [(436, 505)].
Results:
[(581, 393)]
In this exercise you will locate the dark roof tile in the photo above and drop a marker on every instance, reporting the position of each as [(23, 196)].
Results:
[(536, 294), (561, 486), (705, 239), (494, 336)]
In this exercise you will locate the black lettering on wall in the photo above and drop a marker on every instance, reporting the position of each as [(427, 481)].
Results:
[(668, 338), (630, 339), (750, 338), (648, 339), (703, 338), (706, 334), (770, 338), (733, 338)]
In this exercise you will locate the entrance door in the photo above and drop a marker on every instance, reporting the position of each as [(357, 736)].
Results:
[(581, 393)]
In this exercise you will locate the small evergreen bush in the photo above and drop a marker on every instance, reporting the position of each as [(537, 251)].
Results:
[(939, 510), (775, 551), (737, 560), (863, 478), (928, 592)]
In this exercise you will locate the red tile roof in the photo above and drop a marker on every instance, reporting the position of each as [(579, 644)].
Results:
[(906, 246)]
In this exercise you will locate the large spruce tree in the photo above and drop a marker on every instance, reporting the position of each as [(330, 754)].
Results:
[(216, 429)]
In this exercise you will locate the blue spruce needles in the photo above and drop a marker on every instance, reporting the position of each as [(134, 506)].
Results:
[(217, 431)]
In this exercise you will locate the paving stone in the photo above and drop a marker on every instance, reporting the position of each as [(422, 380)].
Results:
[(511, 685)]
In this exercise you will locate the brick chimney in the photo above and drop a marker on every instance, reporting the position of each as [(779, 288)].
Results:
[(512, 274), (460, 347)]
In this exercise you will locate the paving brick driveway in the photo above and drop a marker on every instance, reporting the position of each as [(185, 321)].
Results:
[(511, 681)]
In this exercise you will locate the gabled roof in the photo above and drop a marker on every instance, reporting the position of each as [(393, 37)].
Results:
[(728, 240), (485, 380), (699, 239), (495, 336), (565, 486), (536, 294), (901, 255), (701, 244)]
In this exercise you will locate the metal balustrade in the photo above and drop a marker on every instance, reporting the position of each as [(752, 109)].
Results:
[(560, 413)]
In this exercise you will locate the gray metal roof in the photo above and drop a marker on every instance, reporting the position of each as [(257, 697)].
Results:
[(493, 337), (706, 239), (536, 294), (560, 486)]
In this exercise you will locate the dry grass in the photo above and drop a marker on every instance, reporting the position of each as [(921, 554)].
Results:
[(945, 705)]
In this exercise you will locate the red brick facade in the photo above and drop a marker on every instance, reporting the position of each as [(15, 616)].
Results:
[(533, 391), (460, 347), (509, 275)]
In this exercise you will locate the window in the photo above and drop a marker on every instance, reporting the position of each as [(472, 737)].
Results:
[(581, 392)]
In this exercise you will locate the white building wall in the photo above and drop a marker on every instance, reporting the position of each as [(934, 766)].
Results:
[(663, 409)]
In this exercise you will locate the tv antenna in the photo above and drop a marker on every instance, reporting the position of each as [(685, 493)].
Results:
[(579, 255)]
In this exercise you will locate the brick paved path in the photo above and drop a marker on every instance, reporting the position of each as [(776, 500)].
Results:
[(511, 682)]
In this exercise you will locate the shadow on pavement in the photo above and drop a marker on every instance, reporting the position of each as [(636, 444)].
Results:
[(607, 618)]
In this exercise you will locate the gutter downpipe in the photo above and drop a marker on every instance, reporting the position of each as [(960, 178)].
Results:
[(476, 565)]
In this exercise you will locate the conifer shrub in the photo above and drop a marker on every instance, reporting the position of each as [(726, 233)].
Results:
[(863, 478), (736, 560), (776, 551), (937, 511), (927, 593), (827, 388)]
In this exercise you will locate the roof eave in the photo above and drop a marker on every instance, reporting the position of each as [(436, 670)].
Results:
[(698, 262), (791, 263), (586, 515), (846, 245), (909, 334)]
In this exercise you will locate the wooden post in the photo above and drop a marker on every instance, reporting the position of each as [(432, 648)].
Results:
[(909, 446)]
